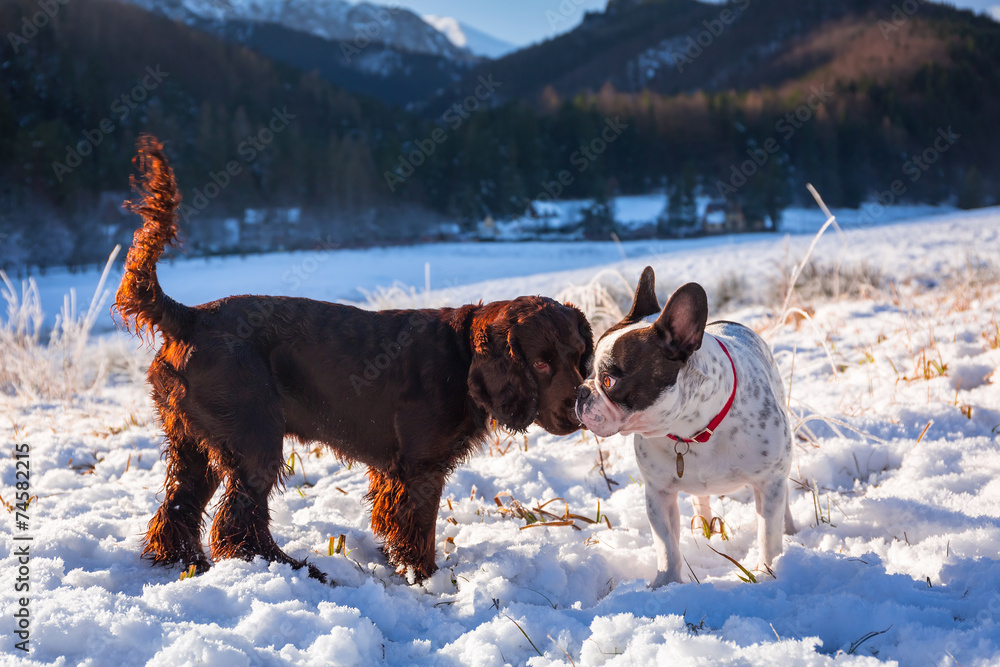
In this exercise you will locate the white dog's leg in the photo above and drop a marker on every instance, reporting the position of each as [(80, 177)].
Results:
[(702, 509), (790, 528), (771, 500), (665, 520)]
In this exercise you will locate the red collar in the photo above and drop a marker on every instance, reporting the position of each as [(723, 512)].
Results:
[(714, 424)]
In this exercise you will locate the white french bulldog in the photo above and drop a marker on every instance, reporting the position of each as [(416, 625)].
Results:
[(707, 408)]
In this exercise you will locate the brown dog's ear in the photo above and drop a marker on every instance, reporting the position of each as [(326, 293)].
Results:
[(644, 303), (587, 334), (499, 379), (681, 326)]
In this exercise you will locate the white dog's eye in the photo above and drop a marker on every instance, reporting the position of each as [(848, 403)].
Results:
[(607, 381)]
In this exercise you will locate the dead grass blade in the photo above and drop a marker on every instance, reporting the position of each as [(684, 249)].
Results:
[(549, 524), (568, 657), (750, 578), (857, 644), (523, 633)]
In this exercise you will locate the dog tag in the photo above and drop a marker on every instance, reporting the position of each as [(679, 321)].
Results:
[(680, 464)]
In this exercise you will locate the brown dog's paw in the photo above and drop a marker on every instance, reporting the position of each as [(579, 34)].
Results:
[(186, 560), (266, 549), (405, 563), (201, 564), (315, 573), (160, 554)]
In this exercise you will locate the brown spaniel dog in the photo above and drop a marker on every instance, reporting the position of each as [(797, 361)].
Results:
[(409, 393)]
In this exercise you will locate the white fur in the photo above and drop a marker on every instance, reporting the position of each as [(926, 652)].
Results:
[(752, 446)]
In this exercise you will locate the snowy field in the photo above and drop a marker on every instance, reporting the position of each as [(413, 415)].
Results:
[(347, 275), (891, 362)]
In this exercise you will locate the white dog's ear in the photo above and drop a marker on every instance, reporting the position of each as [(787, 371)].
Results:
[(644, 302), (681, 326)]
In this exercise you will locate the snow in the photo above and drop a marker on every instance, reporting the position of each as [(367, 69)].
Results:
[(459, 270), (554, 220), (638, 210), (333, 20), (449, 27), (663, 55), (465, 36), (904, 459)]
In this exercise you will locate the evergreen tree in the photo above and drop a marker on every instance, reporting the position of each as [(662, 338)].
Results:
[(682, 208), (971, 193), (598, 219)]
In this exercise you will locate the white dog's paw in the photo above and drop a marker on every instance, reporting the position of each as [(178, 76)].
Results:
[(664, 578)]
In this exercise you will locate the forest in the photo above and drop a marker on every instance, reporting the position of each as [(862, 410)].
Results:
[(252, 137)]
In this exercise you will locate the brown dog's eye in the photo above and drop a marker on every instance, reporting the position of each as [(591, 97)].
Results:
[(608, 381), (541, 366)]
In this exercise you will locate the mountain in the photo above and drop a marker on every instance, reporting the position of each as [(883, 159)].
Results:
[(388, 53), (465, 36), (670, 47), (332, 20), (381, 71)]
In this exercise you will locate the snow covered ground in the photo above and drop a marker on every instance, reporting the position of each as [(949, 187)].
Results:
[(895, 488), (457, 270)]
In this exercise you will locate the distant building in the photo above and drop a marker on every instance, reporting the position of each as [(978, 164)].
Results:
[(268, 228), (723, 217)]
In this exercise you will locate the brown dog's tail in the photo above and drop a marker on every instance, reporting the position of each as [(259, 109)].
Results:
[(140, 301)]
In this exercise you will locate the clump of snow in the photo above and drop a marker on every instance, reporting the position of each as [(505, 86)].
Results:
[(894, 489), (449, 27)]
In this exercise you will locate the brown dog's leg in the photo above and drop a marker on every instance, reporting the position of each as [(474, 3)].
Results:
[(404, 515), (241, 525), (174, 532)]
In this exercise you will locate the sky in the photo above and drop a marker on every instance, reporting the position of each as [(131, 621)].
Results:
[(520, 22), (523, 22)]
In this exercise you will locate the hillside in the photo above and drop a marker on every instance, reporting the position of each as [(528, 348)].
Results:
[(74, 98), (385, 52), (842, 94), (378, 70), (334, 20), (682, 46)]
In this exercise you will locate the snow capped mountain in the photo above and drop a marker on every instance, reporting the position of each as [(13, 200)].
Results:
[(334, 20), (467, 37)]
